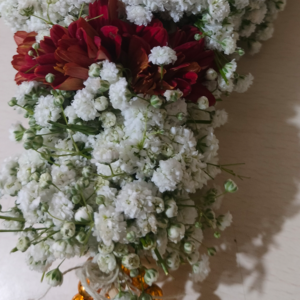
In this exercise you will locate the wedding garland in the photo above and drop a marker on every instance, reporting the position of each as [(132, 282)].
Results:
[(121, 100)]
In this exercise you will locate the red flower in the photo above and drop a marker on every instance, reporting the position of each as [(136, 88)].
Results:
[(68, 53), (187, 72)]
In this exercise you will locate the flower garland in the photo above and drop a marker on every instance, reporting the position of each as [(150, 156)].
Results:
[(121, 110)]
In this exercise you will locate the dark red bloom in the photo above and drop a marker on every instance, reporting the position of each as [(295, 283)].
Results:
[(68, 53)]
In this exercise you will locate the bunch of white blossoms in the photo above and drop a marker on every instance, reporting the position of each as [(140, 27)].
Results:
[(223, 22), (108, 173)]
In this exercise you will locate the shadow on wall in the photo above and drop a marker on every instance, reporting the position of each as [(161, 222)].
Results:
[(261, 134)]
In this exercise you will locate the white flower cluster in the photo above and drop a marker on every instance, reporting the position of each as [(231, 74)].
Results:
[(109, 173), (37, 15), (223, 22)]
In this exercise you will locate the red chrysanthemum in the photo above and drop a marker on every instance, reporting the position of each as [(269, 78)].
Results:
[(68, 53)]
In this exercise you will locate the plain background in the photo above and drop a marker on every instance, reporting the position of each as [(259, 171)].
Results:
[(259, 255)]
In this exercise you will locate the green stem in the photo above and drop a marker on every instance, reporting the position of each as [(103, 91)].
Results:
[(81, 10), (12, 219), (95, 18), (161, 261), (55, 217)]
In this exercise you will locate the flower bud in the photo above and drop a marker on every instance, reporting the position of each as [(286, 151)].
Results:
[(167, 150), (30, 53), (230, 186), (189, 247), (131, 236), (13, 102), (100, 199), (68, 230), (211, 74), (198, 37), (108, 119), (29, 135), (240, 51), (173, 95), (193, 257), (83, 214), (50, 78), (59, 101), (134, 273), (104, 86), (159, 205), (171, 208), (38, 142), (76, 199), (145, 296), (125, 296), (131, 261), (45, 180), (104, 249), (101, 103), (23, 243), (203, 102), (156, 101), (94, 70), (81, 237), (54, 278), (106, 262), (35, 176), (176, 232), (148, 243), (180, 116), (120, 250), (82, 183), (173, 261), (36, 46), (151, 276), (44, 207)]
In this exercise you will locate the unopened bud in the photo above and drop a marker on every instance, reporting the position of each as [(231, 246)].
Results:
[(23, 243), (50, 78), (54, 278), (31, 53), (13, 102), (100, 199), (134, 273), (171, 208), (211, 74), (68, 230), (82, 183), (145, 296), (131, 236), (203, 102), (131, 261), (120, 250), (189, 247), (80, 237), (176, 232), (37, 143), (198, 37), (180, 116), (230, 186), (101, 103), (29, 135), (76, 199), (240, 51), (36, 46), (104, 249), (151, 276), (94, 70), (45, 180), (104, 86), (156, 101), (44, 207), (59, 100)]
